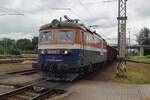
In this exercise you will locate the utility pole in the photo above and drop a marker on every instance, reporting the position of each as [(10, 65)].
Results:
[(129, 44), (122, 18), (122, 28), (5, 46)]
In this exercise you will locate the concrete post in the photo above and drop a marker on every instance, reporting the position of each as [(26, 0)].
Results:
[(141, 51)]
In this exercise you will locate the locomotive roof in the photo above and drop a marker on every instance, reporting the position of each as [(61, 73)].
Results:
[(65, 24), (61, 24)]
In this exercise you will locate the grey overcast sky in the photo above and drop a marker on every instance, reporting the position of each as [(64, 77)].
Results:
[(91, 12)]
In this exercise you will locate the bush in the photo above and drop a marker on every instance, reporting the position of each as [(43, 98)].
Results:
[(28, 52), (132, 54), (14, 47), (1, 50), (15, 52), (148, 56), (11, 51)]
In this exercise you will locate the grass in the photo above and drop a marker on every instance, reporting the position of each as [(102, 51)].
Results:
[(141, 58), (19, 56), (29, 55), (7, 68), (136, 74)]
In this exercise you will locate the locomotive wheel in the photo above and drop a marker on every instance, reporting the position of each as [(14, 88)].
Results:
[(90, 68)]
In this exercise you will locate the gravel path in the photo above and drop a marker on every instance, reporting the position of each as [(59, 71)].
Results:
[(105, 73), (87, 90), (97, 87)]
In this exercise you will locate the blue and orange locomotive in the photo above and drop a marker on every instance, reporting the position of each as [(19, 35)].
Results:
[(68, 49)]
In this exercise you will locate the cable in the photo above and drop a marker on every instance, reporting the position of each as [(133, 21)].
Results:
[(70, 10), (7, 11), (108, 1)]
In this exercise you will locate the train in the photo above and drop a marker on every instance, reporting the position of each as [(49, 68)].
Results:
[(68, 49)]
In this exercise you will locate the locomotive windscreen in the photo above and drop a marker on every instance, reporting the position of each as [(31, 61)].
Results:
[(58, 36), (65, 36), (45, 37)]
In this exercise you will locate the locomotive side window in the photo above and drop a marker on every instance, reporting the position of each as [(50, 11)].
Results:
[(45, 37), (65, 36)]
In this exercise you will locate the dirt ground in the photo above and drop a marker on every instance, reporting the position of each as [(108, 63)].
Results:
[(96, 90), (137, 73), (101, 86), (105, 73), (20, 79)]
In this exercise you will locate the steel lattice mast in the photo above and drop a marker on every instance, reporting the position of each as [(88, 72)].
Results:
[(122, 28)]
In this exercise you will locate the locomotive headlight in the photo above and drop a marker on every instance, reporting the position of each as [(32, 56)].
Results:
[(66, 52), (42, 52)]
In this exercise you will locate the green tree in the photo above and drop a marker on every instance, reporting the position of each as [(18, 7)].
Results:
[(1, 49), (144, 37), (35, 43), (24, 44), (8, 46)]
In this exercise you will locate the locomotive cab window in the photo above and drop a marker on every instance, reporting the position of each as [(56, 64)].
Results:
[(65, 36), (45, 37)]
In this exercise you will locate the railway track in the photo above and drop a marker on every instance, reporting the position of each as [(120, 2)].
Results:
[(13, 57), (18, 73), (28, 93), (24, 72), (16, 60), (129, 60)]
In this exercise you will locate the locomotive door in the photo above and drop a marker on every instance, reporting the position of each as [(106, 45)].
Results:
[(82, 43)]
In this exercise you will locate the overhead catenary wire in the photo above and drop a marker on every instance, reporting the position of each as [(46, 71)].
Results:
[(108, 1), (68, 8), (86, 8), (5, 11)]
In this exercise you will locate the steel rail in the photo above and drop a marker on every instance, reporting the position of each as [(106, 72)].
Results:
[(142, 62), (55, 90), (50, 92), (23, 72), (7, 61), (44, 95), (14, 92), (5, 95)]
